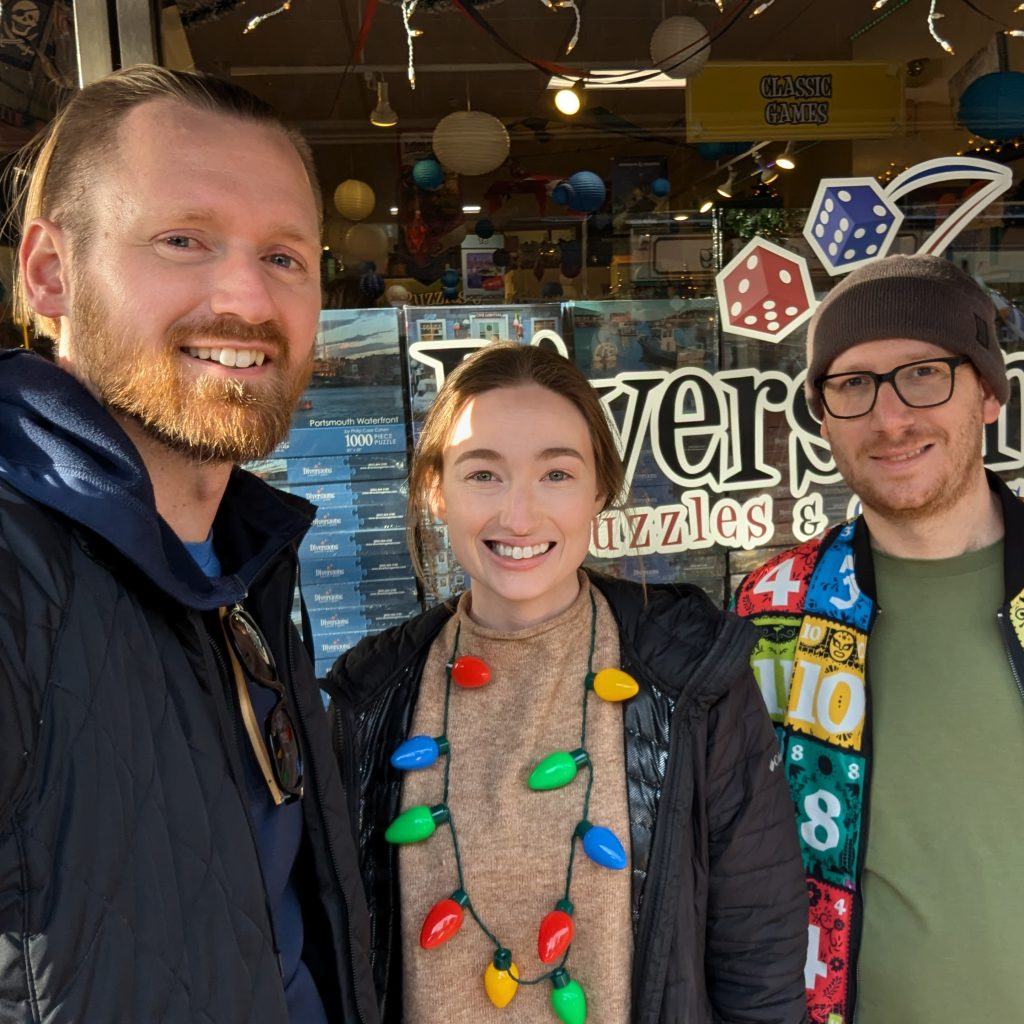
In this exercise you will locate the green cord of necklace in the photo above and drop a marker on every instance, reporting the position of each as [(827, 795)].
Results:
[(586, 799)]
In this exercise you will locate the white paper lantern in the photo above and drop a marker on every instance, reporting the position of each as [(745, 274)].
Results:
[(334, 235), (471, 142), (680, 47), (365, 243), (354, 199)]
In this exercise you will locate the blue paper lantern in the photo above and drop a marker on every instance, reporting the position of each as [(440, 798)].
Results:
[(715, 151), (450, 278), (561, 193), (428, 174), (484, 228), (661, 186), (992, 106), (586, 191)]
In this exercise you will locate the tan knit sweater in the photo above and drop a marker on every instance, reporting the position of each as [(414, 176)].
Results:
[(515, 842)]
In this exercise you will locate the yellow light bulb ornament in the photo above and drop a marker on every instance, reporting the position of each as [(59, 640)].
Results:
[(501, 979), (612, 684)]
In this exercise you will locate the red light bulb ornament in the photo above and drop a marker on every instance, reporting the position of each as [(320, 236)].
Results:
[(501, 979), (567, 998), (444, 920), (556, 933), (470, 672)]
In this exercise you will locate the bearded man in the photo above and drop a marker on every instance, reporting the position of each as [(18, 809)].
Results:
[(898, 691), (175, 844)]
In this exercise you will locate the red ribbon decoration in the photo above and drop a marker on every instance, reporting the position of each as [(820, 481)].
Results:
[(364, 31)]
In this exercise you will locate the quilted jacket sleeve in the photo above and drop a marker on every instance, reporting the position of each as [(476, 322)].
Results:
[(757, 903), (32, 595)]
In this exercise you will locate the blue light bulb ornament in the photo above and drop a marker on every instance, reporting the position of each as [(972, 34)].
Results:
[(602, 846), (419, 752)]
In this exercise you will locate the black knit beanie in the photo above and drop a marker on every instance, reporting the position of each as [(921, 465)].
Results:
[(925, 298)]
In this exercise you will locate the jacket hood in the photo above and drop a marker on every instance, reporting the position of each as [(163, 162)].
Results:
[(61, 448)]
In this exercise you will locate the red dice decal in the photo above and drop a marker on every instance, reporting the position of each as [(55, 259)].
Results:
[(765, 292)]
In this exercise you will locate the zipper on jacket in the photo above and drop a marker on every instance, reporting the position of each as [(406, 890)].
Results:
[(1004, 628), (233, 713), (290, 642)]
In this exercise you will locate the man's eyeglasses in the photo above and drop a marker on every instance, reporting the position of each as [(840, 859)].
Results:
[(921, 384), (279, 739)]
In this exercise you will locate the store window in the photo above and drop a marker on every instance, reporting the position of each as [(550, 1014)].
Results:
[(586, 177)]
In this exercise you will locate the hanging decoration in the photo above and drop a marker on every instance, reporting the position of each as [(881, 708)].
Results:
[(471, 142), (582, 192), (260, 18), (484, 228), (680, 46), (933, 16), (661, 187), (450, 286), (428, 174), (371, 284), (501, 977), (354, 199), (555, 5), (992, 106), (365, 243)]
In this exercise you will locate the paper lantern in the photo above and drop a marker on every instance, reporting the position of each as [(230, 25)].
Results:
[(365, 242), (715, 151), (484, 228), (500, 258), (334, 235), (398, 295), (661, 187), (354, 199), (561, 194), (586, 191), (428, 174), (471, 142), (680, 46), (992, 106), (450, 278)]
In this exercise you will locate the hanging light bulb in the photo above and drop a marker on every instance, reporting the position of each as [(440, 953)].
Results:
[(383, 116), (501, 979), (557, 770), (567, 998), (416, 824), (707, 206), (681, 216), (602, 846), (569, 101), (612, 684), (761, 8), (470, 672), (443, 920), (419, 752), (727, 186), (785, 159), (556, 933)]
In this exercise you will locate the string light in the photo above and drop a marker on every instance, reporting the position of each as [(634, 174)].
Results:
[(260, 18), (761, 8), (567, 998), (933, 16), (1016, 33), (408, 7)]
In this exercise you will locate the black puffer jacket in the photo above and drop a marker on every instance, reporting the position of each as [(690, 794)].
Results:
[(719, 903), (130, 884)]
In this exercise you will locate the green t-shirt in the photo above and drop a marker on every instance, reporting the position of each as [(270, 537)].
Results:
[(943, 896)]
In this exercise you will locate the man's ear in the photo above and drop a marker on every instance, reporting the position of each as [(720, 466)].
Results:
[(43, 268), (824, 428), (990, 407)]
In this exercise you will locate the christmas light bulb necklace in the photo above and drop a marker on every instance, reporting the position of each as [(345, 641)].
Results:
[(501, 978)]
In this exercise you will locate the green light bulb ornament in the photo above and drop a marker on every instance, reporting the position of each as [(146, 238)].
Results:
[(558, 769), (416, 824), (567, 998)]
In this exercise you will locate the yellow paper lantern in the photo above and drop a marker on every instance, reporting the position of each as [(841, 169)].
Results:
[(365, 243), (471, 142), (354, 199)]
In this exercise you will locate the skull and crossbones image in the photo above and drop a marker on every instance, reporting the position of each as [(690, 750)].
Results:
[(19, 26)]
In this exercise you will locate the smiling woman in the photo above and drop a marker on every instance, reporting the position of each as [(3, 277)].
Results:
[(523, 705)]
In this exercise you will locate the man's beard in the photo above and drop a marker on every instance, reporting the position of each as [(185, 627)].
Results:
[(206, 418), (892, 502)]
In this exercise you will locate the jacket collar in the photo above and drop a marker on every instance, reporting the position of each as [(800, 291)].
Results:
[(1013, 543), (61, 448)]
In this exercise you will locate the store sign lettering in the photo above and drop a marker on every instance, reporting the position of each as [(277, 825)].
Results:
[(796, 99), (708, 433)]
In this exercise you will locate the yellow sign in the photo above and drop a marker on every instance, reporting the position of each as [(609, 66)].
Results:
[(746, 102)]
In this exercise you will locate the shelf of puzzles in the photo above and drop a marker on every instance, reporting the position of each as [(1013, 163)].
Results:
[(725, 463)]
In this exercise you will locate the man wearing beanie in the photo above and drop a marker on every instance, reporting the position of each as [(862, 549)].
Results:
[(891, 658)]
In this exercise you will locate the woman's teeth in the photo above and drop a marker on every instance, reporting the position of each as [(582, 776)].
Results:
[(511, 551), (240, 357)]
